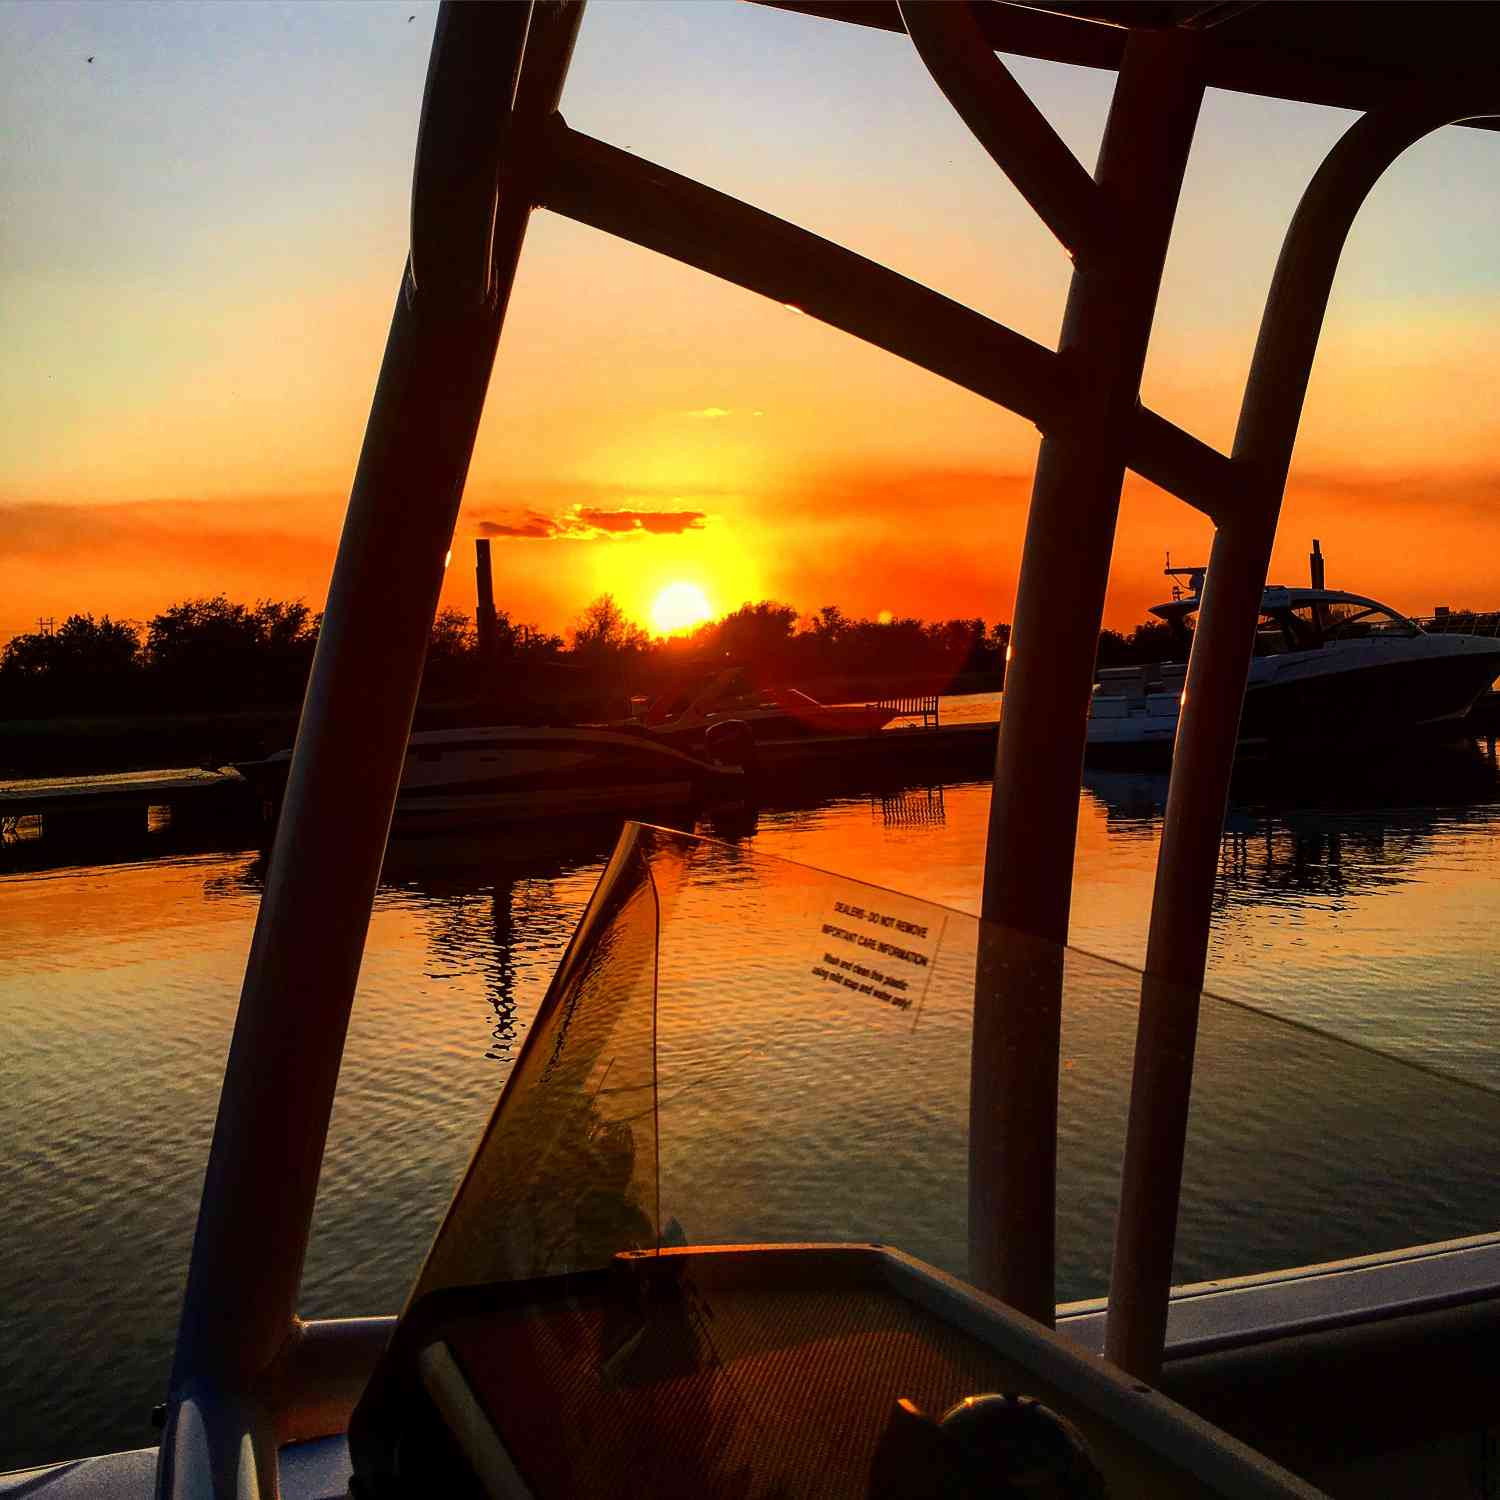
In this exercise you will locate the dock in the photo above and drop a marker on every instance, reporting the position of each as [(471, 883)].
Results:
[(141, 798), (902, 748)]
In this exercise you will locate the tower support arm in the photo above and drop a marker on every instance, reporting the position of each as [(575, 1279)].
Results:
[(1000, 113), (261, 1184), (1184, 466), (593, 183), (1059, 606), (1213, 700), (636, 200)]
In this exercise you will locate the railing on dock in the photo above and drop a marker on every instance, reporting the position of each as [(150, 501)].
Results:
[(923, 706)]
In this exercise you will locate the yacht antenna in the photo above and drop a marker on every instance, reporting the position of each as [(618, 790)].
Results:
[(1194, 577), (1315, 563)]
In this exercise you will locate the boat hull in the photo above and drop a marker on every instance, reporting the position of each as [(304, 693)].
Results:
[(1371, 698), (1361, 692), (780, 726), (456, 778)]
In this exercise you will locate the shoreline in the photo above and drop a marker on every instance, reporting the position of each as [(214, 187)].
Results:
[(106, 744)]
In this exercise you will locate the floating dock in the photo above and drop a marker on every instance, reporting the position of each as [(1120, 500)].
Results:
[(127, 796), (935, 745)]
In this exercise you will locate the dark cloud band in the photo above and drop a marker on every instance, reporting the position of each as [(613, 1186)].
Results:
[(585, 522)]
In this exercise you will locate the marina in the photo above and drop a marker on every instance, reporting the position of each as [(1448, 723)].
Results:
[(820, 1105), (130, 808), (1361, 904)]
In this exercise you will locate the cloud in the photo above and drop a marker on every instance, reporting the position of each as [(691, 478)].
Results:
[(657, 522), (132, 559), (709, 413), (1474, 492), (587, 523), (894, 497), (533, 526)]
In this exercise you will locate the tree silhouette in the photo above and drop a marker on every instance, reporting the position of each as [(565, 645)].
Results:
[(217, 655), (81, 647), (211, 652), (604, 628), (83, 665)]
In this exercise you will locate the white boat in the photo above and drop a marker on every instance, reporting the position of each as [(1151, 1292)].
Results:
[(1374, 1374), (685, 716), (455, 778), (1329, 667)]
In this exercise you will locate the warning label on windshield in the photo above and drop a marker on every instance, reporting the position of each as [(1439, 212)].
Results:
[(885, 952)]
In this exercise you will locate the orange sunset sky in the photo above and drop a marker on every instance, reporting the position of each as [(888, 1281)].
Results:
[(205, 226)]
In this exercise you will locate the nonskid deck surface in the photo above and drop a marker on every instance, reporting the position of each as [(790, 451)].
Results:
[(768, 1371), (795, 1394), (317, 1470)]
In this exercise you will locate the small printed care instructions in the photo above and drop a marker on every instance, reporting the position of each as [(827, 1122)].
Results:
[(879, 945)]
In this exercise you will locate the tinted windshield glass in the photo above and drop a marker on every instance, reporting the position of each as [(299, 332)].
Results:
[(1348, 621), (738, 1049), (1270, 635)]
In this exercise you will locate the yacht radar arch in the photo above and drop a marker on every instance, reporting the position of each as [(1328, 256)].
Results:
[(492, 148)]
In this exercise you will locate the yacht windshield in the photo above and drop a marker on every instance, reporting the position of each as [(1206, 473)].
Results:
[(1320, 622), (1351, 620), (740, 1049)]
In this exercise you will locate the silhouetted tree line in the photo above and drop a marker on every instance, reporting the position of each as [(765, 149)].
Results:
[(778, 645), (214, 654)]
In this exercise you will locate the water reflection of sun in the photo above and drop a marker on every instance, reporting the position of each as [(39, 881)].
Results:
[(679, 606)]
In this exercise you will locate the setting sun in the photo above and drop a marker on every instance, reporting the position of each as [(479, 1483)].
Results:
[(679, 606)]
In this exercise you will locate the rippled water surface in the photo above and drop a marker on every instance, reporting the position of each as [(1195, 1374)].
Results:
[(1360, 898)]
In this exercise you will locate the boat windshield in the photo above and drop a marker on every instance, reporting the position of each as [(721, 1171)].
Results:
[(1353, 620), (1313, 623), (738, 1049)]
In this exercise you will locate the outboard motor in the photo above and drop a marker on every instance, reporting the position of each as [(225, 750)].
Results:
[(730, 743)]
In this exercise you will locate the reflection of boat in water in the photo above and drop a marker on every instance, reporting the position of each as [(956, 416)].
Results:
[(456, 777), (1293, 834), (1328, 667), (796, 1370), (1360, 782)]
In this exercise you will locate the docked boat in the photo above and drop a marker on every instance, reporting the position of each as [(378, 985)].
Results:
[(454, 778), (583, 1324), (685, 715), (1328, 667)]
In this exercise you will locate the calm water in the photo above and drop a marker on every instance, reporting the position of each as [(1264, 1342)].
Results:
[(1361, 899)]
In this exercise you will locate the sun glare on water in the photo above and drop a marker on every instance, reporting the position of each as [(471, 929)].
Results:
[(679, 606)]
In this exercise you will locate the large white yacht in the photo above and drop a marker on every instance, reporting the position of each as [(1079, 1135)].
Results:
[(1328, 667), (561, 1338)]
